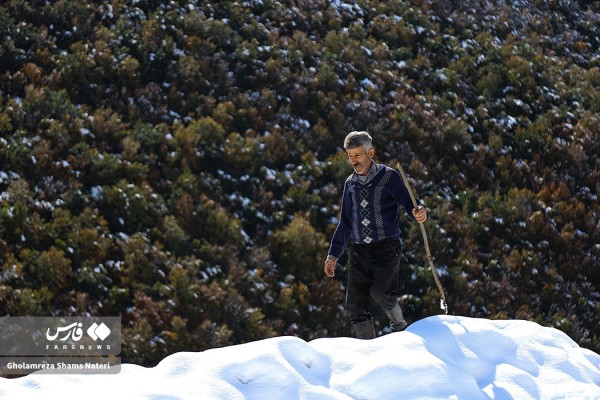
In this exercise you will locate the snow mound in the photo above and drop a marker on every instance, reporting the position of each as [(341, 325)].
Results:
[(441, 357)]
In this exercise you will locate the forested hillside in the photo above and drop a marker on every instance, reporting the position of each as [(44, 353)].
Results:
[(179, 163)]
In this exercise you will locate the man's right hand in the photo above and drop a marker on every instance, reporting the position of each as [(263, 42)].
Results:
[(330, 263)]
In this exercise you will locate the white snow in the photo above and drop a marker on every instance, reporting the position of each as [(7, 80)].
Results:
[(440, 357)]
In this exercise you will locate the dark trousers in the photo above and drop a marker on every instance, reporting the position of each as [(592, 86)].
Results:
[(373, 272)]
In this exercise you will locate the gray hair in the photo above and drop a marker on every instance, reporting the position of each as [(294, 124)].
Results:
[(358, 139)]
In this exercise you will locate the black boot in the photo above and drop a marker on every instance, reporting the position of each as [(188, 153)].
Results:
[(398, 322), (364, 329)]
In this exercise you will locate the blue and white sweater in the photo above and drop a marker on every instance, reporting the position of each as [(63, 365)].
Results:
[(370, 210)]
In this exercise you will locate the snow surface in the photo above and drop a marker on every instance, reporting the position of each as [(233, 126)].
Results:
[(441, 357)]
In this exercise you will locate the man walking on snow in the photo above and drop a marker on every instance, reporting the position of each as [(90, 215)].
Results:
[(368, 227)]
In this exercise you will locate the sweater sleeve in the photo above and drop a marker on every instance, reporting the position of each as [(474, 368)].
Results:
[(400, 193), (342, 231)]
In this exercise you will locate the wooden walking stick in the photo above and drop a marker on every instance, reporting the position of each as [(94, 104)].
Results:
[(443, 304)]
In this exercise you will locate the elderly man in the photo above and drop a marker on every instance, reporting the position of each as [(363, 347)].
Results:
[(368, 227)]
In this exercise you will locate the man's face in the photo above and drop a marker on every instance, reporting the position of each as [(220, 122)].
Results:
[(360, 159)]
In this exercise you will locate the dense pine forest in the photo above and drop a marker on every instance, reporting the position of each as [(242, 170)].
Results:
[(180, 163)]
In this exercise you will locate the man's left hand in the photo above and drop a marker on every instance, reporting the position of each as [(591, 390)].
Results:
[(420, 214)]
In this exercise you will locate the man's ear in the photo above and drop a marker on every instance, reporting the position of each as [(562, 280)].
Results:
[(371, 152)]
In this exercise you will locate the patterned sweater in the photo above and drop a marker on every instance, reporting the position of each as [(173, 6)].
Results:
[(370, 210)]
